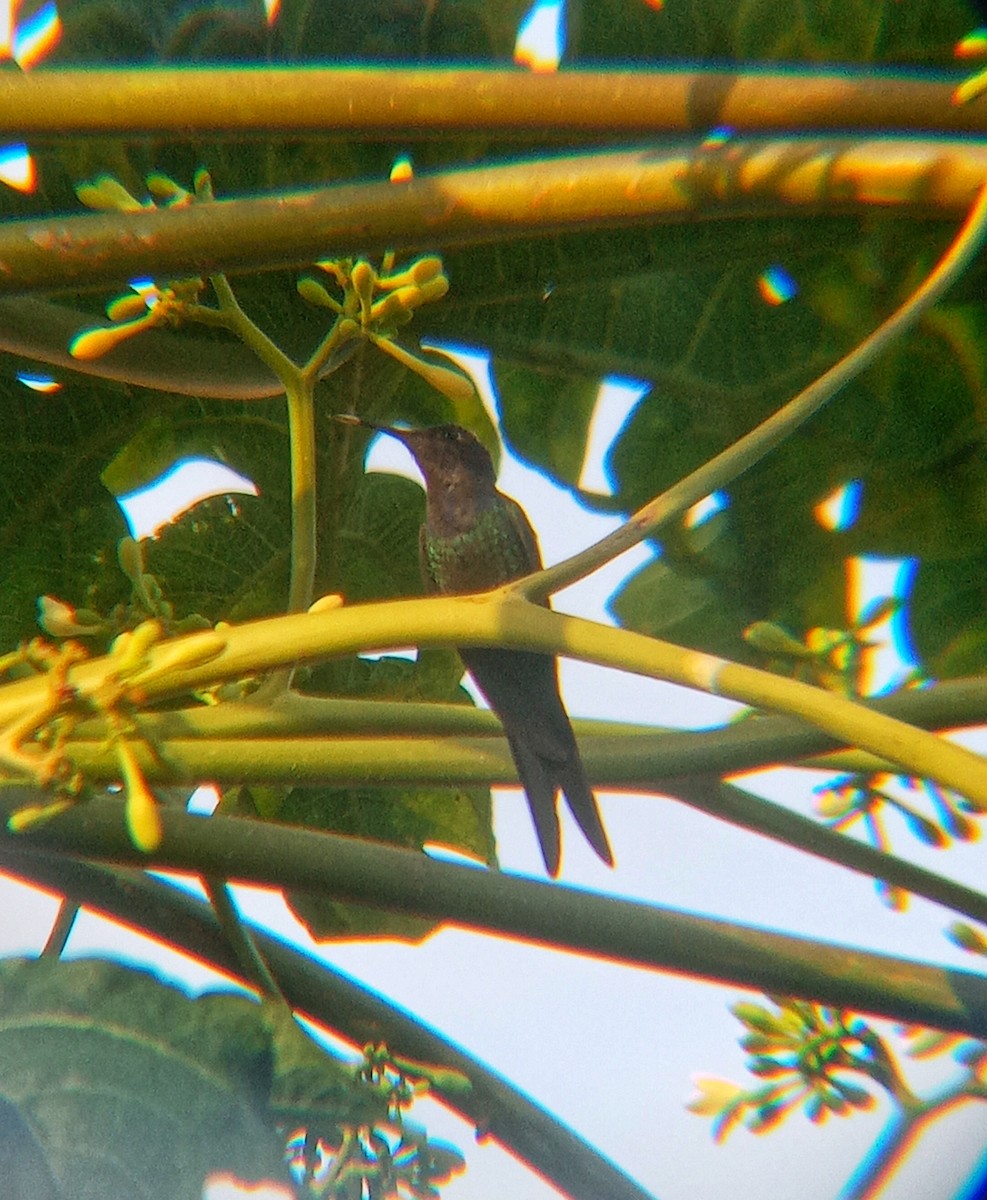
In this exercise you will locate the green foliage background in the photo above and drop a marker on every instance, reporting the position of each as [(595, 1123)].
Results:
[(676, 306)]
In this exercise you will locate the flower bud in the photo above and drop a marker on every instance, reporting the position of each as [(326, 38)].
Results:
[(107, 194), (125, 308)]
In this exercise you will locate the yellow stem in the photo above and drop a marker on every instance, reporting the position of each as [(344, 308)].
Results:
[(501, 619)]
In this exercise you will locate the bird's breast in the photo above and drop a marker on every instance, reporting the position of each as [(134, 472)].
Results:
[(485, 556)]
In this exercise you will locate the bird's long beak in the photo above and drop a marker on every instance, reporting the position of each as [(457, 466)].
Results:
[(351, 419)]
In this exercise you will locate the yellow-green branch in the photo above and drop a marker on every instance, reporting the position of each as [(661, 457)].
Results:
[(544, 195), (428, 102), (500, 619)]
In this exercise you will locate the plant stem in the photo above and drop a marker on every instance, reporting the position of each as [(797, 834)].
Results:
[(251, 961), (628, 752), (299, 386), (394, 762), (426, 102), (301, 431), (500, 619), (725, 467), (890, 1149), (60, 931), (479, 205), (620, 930)]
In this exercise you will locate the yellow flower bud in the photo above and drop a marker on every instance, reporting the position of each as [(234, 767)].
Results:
[(143, 818), (94, 343), (130, 556), (424, 269), (202, 182), (363, 278), (141, 809), (167, 191), (34, 814), (433, 289), (312, 291), (458, 387), (712, 1095), (60, 619), (328, 603), (124, 308), (107, 194)]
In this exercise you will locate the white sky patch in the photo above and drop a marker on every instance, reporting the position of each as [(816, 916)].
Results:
[(841, 507), (540, 40), (38, 382), (181, 487), (17, 167), (449, 854), (390, 457), (7, 29), (475, 361), (37, 36), (226, 1187), (615, 401), (704, 509), (870, 579), (203, 801)]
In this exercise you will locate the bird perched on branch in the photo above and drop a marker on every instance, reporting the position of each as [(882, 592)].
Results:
[(475, 538)]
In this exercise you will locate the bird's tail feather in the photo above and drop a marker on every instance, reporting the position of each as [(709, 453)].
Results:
[(539, 787), (570, 776), (522, 688)]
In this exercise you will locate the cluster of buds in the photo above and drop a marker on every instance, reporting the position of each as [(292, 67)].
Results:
[(386, 1156), (867, 797), (804, 1051), (379, 302), (60, 619), (832, 658), (147, 305), (376, 304)]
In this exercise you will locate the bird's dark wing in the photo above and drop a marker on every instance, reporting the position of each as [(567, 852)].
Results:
[(525, 531), (428, 579), (523, 690)]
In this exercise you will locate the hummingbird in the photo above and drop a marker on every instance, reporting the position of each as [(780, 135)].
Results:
[(475, 538)]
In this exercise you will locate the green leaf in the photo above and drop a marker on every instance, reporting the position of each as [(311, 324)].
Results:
[(309, 1078), (158, 1089), (458, 819), (692, 611), (758, 30)]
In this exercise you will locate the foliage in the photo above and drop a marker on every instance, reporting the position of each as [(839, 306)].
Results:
[(139, 656)]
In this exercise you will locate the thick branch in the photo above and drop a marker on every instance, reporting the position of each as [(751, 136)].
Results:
[(423, 762), (428, 102), (620, 930), (497, 619), (479, 205)]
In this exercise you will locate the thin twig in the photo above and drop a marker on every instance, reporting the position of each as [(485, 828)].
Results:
[(251, 961), (60, 930)]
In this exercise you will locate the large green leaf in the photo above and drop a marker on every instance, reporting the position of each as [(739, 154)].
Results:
[(129, 1088), (461, 819), (856, 31)]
